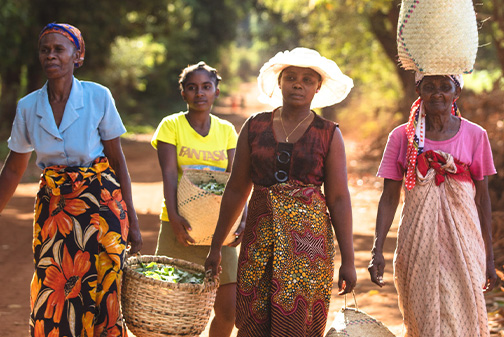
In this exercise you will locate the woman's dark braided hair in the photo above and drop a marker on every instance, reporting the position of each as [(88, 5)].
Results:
[(212, 72)]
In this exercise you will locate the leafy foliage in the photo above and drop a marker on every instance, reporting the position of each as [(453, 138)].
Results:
[(169, 273), (137, 48)]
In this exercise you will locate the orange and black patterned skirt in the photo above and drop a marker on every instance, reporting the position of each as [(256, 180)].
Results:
[(285, 270), (79, 241)]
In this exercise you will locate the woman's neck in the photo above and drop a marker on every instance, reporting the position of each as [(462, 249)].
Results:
[(441, 127), (294, 113), (199, 121), (438, 122), (59, 89)]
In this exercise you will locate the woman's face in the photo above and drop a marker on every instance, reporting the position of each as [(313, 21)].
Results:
[(200, 91), (438, 94), (57, 55), (299, 85)]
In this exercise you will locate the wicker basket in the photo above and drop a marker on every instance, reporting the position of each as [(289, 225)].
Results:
[(437, 37), (352, 322), (154, 308), (200, 207)]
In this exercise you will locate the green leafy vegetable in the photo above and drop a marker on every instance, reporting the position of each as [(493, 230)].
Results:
[(213, 187), (169, 273)]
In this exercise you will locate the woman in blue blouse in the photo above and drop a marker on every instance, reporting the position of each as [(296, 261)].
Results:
[(84, 215)]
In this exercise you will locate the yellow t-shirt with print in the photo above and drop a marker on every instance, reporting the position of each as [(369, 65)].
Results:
[(194, 150)]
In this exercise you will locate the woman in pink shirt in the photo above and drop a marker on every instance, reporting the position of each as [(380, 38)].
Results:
[(444, 260)]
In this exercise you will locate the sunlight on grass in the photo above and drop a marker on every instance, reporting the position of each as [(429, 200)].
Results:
[(138, 129)]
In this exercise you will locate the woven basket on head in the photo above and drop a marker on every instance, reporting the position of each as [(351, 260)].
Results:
[(352, 322), (154, 308), (200, 207), (437, 37)]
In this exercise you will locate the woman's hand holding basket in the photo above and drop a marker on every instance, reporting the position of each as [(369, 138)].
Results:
[(376, 268), (181, 229), (213, 261)]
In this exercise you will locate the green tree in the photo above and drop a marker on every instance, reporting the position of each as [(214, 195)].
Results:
[(360, 35), (497, 7), (20, 24), (16, 54), (490, 14), (189, 30)]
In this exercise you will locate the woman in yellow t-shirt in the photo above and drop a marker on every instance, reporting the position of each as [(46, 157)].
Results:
[(197, 139)]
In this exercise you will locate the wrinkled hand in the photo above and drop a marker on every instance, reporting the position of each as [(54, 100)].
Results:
[(347, 279), (238, 235), (181, 230), (491, 277), (135, 241), (376, 269), (213, 262)]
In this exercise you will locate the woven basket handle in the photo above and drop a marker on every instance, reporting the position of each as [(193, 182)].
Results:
[(128, 255), (355, 301), (210, 278)]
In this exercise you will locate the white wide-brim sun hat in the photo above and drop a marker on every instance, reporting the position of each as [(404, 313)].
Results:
[(335, 85)]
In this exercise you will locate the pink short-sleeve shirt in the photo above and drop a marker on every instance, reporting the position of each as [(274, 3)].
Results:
[(470, 145)]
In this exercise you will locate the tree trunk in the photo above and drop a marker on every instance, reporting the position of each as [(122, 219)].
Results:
[(34, 78), (8, 99), (498, 14), (384, 28)]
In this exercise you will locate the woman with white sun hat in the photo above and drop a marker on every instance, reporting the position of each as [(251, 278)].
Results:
[(286, 260)]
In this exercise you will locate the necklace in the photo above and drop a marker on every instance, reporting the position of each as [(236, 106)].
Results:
[(285, 132)]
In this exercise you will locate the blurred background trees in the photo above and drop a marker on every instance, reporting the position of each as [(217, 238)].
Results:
[(138, 47)]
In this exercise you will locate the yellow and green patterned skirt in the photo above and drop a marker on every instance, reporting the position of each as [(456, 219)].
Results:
[(286, 265), (80, 233)]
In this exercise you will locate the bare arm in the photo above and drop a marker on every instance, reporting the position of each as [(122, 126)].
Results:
[(233, 200), (167, 155), (113, 152), (14, 167), (230, 154), (340, 209), (239, 231), (387, 207), (483, 205)]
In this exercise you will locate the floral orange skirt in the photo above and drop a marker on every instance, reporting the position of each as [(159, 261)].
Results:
[(79, 240)]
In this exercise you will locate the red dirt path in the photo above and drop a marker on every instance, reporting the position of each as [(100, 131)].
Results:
[(16, 235)]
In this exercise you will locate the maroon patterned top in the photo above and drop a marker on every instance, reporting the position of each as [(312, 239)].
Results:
[(274, 162)]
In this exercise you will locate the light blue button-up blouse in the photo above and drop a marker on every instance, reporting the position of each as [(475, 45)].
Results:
[(90, 116)]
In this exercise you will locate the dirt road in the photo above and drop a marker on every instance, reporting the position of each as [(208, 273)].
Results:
[(16, 236)]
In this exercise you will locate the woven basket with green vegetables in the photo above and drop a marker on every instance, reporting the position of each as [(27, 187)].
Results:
[(163, 296)]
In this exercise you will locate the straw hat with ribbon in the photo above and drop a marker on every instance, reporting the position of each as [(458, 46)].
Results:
[(335, 85)]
